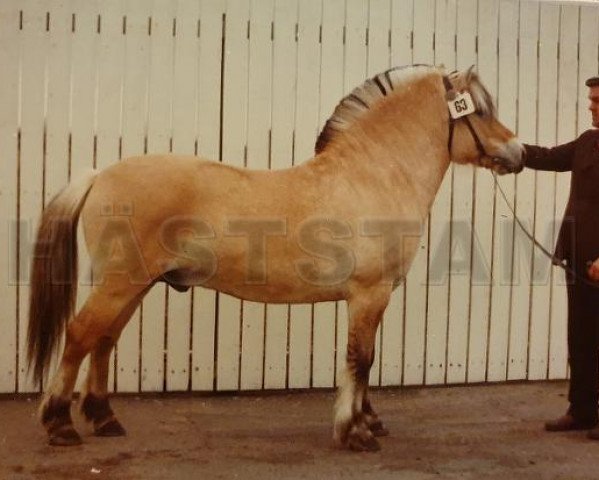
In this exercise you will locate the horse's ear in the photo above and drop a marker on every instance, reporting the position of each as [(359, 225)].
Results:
[(469, 74)]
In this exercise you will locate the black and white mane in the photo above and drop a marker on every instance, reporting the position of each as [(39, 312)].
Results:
[(374, 89)]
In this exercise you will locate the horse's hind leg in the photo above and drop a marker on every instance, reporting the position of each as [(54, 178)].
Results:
[(94, 398), (351, 428), (103, 306)]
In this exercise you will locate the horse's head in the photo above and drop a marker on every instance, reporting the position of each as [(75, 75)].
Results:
[(475, 134)]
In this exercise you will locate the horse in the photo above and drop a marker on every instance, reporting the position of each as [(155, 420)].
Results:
[(343, 225)]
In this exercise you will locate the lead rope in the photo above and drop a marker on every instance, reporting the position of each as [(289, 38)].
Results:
[(554, 260)]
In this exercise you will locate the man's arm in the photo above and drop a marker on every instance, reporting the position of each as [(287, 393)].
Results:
[(556, 159)]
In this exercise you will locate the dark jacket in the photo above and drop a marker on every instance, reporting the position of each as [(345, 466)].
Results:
[(578, 239)]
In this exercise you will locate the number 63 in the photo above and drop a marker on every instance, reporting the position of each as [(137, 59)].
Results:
[(460, 105)]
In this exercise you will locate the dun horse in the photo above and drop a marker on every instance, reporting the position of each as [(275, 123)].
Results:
[(343, 225)]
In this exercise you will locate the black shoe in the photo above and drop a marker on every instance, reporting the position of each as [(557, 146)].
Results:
[(567, 422)]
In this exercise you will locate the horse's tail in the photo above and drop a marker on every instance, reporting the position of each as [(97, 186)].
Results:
[(54, 273)]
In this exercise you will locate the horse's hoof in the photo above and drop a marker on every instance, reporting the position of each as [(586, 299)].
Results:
[(66, 436), (112, 428), (363, 444), (361, 439), (378, 430)]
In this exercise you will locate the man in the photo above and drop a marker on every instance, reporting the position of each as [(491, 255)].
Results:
[(578, 245)]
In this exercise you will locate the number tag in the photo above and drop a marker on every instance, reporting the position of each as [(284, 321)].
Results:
[(461, 105)]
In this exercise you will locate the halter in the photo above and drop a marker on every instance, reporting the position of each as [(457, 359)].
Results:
[(449, 93)]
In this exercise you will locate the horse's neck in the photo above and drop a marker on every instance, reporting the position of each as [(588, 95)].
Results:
[(411, 153), (423, 168)]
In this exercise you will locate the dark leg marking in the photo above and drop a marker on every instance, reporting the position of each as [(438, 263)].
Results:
[(372, 419), (359, 435), (56, 418), (97, 409)]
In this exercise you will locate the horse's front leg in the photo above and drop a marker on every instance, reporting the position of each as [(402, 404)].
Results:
[(352, 429)]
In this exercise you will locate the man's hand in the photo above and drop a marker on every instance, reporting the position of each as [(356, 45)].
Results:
[(593, 271)]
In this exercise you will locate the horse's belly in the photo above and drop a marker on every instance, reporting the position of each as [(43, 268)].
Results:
[(277, 288), (282, 272)]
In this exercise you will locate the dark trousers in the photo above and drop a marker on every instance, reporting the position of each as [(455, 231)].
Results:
[(583, 351)]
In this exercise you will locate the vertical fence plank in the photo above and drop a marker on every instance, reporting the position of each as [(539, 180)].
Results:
[(209, 115), (503, 229), (159, 130), (59, 88), (9, 116), (378, 60), (56, 164), (82, 117), (284, 51), (135, 79), (111, 63), (331, 91), (184, 99), (393, 321), (461, 219), (306, 125), (354, 73), (259, 124), (31, 162), (545, 181), (482, 240), (416, 281), (568, 85), (440, 221), (525, 194), (83, 88), (234, 129)]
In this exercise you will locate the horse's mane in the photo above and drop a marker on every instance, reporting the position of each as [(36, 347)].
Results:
[(374, 89)]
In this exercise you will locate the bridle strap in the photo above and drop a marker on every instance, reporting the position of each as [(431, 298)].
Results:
[(450, 139), (479, 145), (447, 84), (448, 89)]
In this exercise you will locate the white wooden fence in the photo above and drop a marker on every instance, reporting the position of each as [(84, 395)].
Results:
[(250, 82)]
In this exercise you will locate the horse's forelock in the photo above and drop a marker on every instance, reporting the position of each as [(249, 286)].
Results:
[(482, 97)]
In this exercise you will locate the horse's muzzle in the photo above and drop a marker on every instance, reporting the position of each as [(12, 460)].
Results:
[(509, 158)]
